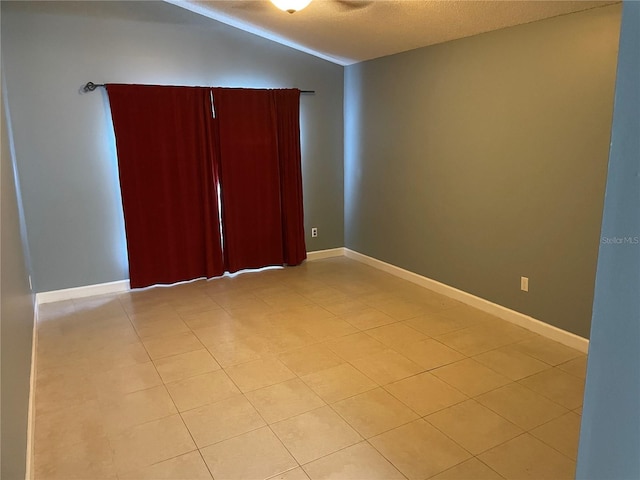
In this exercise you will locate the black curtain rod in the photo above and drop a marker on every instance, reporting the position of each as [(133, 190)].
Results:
[(90, 87)]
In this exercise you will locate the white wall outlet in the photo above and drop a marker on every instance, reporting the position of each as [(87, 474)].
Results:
[(524, 284), (314, 232)]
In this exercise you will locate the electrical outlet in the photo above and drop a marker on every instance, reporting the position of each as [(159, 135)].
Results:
[(314, 232), (524, 284)]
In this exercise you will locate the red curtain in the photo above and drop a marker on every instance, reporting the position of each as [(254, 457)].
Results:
[(168, 180), (249, 177), (287, 109)]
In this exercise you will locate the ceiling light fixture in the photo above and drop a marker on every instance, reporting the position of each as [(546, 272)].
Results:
[(291, 6)]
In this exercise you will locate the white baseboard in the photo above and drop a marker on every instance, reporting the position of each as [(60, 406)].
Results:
[(82, 292), (554, 333), (29, 471), (320, 254)]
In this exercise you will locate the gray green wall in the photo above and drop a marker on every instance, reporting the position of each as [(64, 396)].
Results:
[(64, 140), (610, 433), (16, 321), (481, 160)]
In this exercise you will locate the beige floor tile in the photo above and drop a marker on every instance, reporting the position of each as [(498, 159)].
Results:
[(325, 294), (576, 367), (329, 328), (284, 400), (380, 292), (526, 457), (313, 358), (403, 309), (67, 427), (253, 455), (368, 318), (511, 363), (222, 420), (222, 333), (468, 313), (358, 462), (126, 411), (150, 443), (306, 313), (135, 305), (387, 366), (470, 377), (430, 353), (285, 338), (247, 306), (561, 433), (425, 393), (396, 335), (546, 350), (161, 327), (315, 434), (120, 381), (474, 340), (63, 387), (339, 382), (189, 466), (166, 346), (472, 469), (48, 312), (558, 386), (185, 365), (433, 324), (202, 390), (259, 373), (202, 306), (473, 426), (374, 412), (241, 350), (294, 474), (116, 356), (355, 346), (207, 319), (345, 306), (90, 459), (521, 406), (418, 450), (287, 300)]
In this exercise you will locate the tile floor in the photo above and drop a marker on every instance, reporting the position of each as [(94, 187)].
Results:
[(329, 370)]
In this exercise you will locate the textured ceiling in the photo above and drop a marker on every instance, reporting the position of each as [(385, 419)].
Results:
[(347, 32)]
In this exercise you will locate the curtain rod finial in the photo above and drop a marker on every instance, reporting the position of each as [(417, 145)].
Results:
[(90, 87)]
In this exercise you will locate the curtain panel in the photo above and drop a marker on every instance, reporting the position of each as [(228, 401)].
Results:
[(168, 179), (287, 109)]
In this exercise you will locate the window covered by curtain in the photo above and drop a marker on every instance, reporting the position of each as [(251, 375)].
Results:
[(173, 157), (168, 179)]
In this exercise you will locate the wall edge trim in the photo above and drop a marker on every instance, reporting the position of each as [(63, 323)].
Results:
[(30, 457), (542, 328)]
